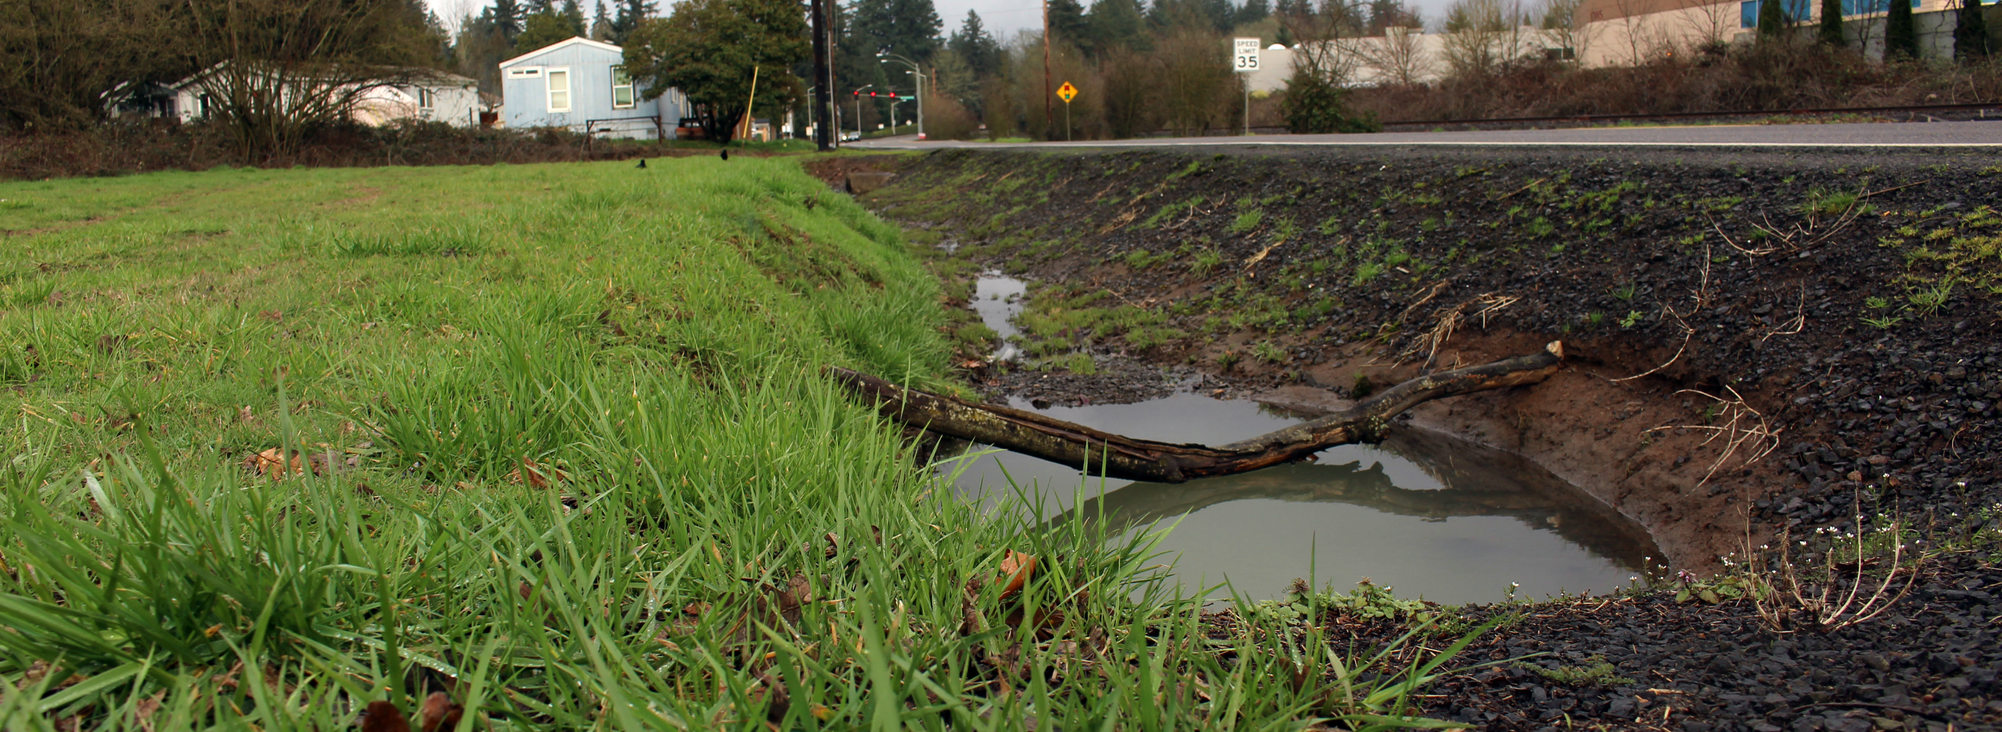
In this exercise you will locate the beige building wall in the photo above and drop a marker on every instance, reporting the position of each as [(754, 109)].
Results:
[(1630, 32)]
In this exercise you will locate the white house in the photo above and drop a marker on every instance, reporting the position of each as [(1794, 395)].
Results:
[(425, 95), (430, 96), (581, 85)]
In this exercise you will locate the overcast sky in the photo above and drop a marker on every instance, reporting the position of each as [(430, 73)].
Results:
[(1002, 17)]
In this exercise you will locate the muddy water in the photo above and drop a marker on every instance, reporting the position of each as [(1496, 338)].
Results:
[(1430, 515), (996, 299)]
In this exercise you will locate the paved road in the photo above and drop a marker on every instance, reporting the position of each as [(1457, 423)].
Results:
[(1978, 133)]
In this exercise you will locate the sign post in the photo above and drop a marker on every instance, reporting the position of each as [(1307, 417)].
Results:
[(1244, 53), (1067, 93)]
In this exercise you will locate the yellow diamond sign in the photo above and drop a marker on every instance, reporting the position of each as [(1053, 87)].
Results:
[(1067, 92)]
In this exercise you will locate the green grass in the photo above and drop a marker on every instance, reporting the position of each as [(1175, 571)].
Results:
[(710, 534)]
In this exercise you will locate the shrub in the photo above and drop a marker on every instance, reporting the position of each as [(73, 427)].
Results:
[(947, 119), (1315, 104)]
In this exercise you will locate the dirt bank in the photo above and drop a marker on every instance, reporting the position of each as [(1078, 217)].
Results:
[(1759, 343), (1808, 286)]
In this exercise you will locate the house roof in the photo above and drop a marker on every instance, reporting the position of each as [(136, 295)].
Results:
[(413, 75), (573, 41)]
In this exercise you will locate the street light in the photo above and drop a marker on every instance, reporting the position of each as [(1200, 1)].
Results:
[(920, 85), (858, 109)]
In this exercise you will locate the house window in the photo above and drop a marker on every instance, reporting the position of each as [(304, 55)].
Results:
[(426, 98), (208, 105), (622, 88), (559, 90), (525, 73)]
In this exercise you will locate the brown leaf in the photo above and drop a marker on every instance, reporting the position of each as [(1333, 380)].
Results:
[(773, 690), (272, 463), (439, 713), (537, 476), (243, 414), (1016, 568), (146, 708), (382, 716), (271, 315)]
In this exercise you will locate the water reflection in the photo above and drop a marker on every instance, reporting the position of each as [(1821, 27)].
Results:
[(1428, 514), (996, 298)]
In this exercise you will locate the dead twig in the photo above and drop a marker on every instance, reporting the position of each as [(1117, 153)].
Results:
[(1702, 298), (1833, 602), (1794, 325), (1744, 429)]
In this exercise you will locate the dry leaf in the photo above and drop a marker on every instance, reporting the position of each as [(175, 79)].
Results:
[(1016, 568), (382, 716), (146, 708), (272, 463), (536, 475), (439, 713)]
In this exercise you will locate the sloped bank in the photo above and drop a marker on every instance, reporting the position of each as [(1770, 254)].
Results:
[(1836, 313), (1312, 269)]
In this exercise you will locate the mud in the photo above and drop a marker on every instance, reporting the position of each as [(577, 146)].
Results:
[(1761, 343)]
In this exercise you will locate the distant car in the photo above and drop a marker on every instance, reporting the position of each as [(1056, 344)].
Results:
[(850, 136)]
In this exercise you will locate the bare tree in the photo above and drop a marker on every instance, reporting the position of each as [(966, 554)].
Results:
[(64, 57), (1563, 29), (1196, 80), (1326, 37), (1640, 37), (274, 70), (1399, 56), (1709, 23), (1484, 35)]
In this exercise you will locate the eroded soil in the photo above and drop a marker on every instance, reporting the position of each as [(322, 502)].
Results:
[(1758, 345)]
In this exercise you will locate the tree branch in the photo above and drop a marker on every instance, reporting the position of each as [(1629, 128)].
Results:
[(1118, 456)]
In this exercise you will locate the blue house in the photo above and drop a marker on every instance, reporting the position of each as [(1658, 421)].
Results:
[(579, 85)]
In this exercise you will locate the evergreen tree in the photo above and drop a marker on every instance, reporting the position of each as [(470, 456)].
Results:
[(1251, 12), (630, 13), (1901, 39), (1772, 20), (1970, 33), (855, 67), (542, 30), (1391, 14), (1067, 23), (536, 7), (573, 14), (507, 20), (904, 27), (1831, 23), (1116, 24), (976, 47), (709, 48), (601, 24)]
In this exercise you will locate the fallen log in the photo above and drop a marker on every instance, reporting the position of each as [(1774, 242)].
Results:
[(1118, 456)]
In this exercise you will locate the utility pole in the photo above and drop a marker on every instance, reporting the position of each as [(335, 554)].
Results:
[(823, 77), (1049, 118)]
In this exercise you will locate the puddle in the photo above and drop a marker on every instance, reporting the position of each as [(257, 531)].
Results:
[(1433, 516), (996, 298)]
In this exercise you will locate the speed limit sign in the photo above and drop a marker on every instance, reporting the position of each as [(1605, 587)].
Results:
[(1246, 52)]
